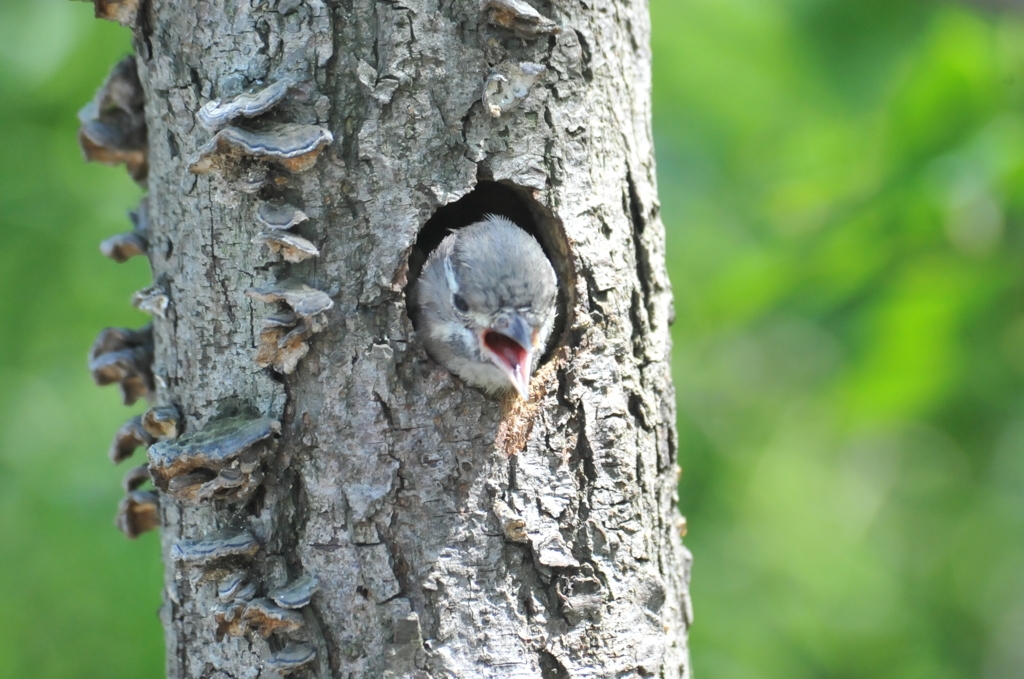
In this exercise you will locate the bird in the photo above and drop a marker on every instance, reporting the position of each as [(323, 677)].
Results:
[(485, 305)]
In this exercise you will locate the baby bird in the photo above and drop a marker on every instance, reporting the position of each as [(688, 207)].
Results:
[(485, 304)]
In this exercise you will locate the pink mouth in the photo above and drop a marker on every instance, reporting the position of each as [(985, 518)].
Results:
[(509, 351)]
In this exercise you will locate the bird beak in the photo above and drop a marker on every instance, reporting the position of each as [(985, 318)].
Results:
[(509, 345)]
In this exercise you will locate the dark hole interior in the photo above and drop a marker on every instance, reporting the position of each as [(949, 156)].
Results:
[(486, 198)]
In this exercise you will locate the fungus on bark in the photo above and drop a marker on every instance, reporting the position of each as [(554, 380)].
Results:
[(282, 341), (291, 247), (123, 246), (292, 657), (135, 477), (266, 618), (282, 344), (246, 593), (138, 512), (228, 617), (519, 17), (279, 216), (223, 460), (152, 300), (124, 356), (130, 436), (215, 548), (116, 366), (293, 147), (121, 11), (219, 112), (238, 610), (162, 423), (229, 587), (295, 594), (113, 124), (304, 300)]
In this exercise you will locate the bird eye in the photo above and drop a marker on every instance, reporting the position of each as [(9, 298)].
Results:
[(460, 303)]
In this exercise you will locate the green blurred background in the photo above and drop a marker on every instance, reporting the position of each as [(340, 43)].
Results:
[(843, 188)]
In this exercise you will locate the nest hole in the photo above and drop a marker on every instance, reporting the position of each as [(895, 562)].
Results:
[(517, 204)]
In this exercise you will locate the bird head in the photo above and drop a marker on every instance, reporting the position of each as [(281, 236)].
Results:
[(486, 304)]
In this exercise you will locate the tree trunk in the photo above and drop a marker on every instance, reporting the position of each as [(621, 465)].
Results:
[(448, 534)]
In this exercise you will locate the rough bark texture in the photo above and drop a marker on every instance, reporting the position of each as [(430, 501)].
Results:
[(452, 535)]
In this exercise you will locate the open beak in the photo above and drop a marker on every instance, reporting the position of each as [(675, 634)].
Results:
[(509, 345)]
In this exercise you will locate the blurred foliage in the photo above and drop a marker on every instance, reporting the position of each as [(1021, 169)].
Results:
[(843, 187)]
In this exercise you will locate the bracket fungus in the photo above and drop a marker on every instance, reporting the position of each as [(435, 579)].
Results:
[(115, 339), (130, 436), (290, 658), (135, 477), (295, 594), (266, 618), (228, 617), (519, 17), (279, 216), (235, 616), (152, 300), (117, 366), (293, 147), (123, 246), (508, 85), (229, 586), (113, 124), (162, 423), (121, 11), (215, 548), (304, 300), (221, 461), (291, 247), (138, 512), (246, 593), (233, 593), (238, 610), (282, 341), (219, 112), (281, 350), (124, 356)]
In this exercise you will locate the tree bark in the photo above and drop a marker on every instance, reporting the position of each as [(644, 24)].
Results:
[(451, 534)]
